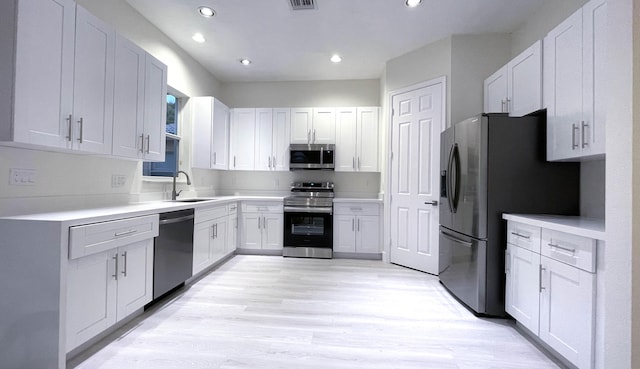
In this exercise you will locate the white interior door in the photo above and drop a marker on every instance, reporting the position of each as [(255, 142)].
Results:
[(417, 121)]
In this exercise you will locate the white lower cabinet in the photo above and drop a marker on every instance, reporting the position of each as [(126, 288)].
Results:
[(232, 228), (551, 290), (356, 228), (209, 236), (262, 225), (107, 286)]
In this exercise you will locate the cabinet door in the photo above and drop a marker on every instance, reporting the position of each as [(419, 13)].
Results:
[(43, 99), (594, 56), (567, 311), (202, 110), (522, 295), (220, 136), (93, 84), (202, 239), (563, 87), (91, 296), (324, 126), (232, 234), (272, 231), (155, 109), (219, 245), (495, 92), (524, 87), (264, 139), (243, 144), (367, 142), (251, 232), (344, 233), (128, 99), (281, 134), (301, 124), (135, 277), (346, 139), (368, 234)]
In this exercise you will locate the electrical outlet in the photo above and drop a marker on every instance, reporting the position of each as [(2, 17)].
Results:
[(118, 180), (22, 177)]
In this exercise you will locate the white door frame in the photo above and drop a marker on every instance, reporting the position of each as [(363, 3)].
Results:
[(442, 81)]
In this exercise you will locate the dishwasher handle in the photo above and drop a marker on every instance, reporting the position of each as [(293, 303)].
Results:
[(176, 220)]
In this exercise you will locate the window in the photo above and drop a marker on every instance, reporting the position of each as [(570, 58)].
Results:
[(169, 167)]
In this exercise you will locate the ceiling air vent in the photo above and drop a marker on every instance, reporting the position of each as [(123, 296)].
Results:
[(302, 4)]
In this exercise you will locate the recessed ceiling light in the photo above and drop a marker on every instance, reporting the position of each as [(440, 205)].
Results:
[(198, 37), (336, 58), (206, 11), (412, 3), (245, 61)]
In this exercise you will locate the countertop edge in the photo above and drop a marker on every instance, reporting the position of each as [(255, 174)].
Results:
[(581, 226)]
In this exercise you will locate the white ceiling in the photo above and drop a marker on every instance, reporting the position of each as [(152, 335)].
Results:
[(287, 45)]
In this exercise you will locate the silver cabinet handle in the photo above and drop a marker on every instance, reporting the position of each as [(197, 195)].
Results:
[(119, 234), (81, 122), (508, 105), (142, 144), (124, 258), (358, 224), (308, 136), (259, 222), (213, 232), (269, 162), (314, 135), (273, 162), (520, 235), (215, 161), (216, 229), (358, 163), (432, 203), (574, 128), (115, 269), (540, 276), (264, 222), (69, 120), (585, 143), (148, 143), (353, 224), (556, 246), (353, 162), (502, 109)]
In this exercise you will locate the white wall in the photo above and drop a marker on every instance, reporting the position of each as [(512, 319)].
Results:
[(301, 94)]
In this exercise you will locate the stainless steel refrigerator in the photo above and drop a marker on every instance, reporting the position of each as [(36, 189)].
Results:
[(493, 164)]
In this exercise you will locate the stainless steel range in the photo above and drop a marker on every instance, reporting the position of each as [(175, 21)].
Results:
[(308, 220)]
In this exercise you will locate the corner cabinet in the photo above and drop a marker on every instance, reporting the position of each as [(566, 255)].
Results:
[(516, 88), (261, 225), (574, 84), (210, 133), (139, 113), (551, 288), (357, 139)]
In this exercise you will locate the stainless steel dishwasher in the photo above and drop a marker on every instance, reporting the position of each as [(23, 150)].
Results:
[(173, 251)]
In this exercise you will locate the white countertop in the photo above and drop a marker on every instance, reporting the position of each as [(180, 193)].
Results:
[(587, 227)]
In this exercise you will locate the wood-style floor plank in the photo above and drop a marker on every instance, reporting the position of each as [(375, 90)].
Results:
[(273, 312)]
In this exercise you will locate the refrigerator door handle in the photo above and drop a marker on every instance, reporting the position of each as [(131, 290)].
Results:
[(454, 194), (448, 179), (456, 239)]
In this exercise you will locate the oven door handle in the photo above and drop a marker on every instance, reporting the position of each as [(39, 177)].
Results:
[(323, 210)]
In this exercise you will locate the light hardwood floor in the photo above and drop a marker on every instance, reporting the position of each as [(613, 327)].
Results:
[(273, 312)]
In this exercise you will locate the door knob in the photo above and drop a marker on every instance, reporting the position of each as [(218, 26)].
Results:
[(434, 203)]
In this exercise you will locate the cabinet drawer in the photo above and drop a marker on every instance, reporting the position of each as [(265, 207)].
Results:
[(206, 214), (356, 208), (524, 235), (262, 207), (570, 249), (93, 238)]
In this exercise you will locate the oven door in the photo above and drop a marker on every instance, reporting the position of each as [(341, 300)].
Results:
[(308, 227)]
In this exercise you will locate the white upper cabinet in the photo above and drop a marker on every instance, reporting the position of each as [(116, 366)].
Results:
[(155, 109), (574, 63), (210, 128), (272, 143), (313, 126), (128, 101), (517, 87), (92, 117), (42, 85), (357, 139), (243, 139)]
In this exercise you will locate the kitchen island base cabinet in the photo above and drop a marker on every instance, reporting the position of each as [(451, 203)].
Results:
[(104, 288)]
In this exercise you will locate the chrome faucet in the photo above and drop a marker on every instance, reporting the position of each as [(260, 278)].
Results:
[(175, 194)]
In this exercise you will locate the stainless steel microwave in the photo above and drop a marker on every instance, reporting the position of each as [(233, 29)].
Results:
[(318, 157)]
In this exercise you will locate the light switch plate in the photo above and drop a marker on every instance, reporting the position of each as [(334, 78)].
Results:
[(22, 177), (118, 180)]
